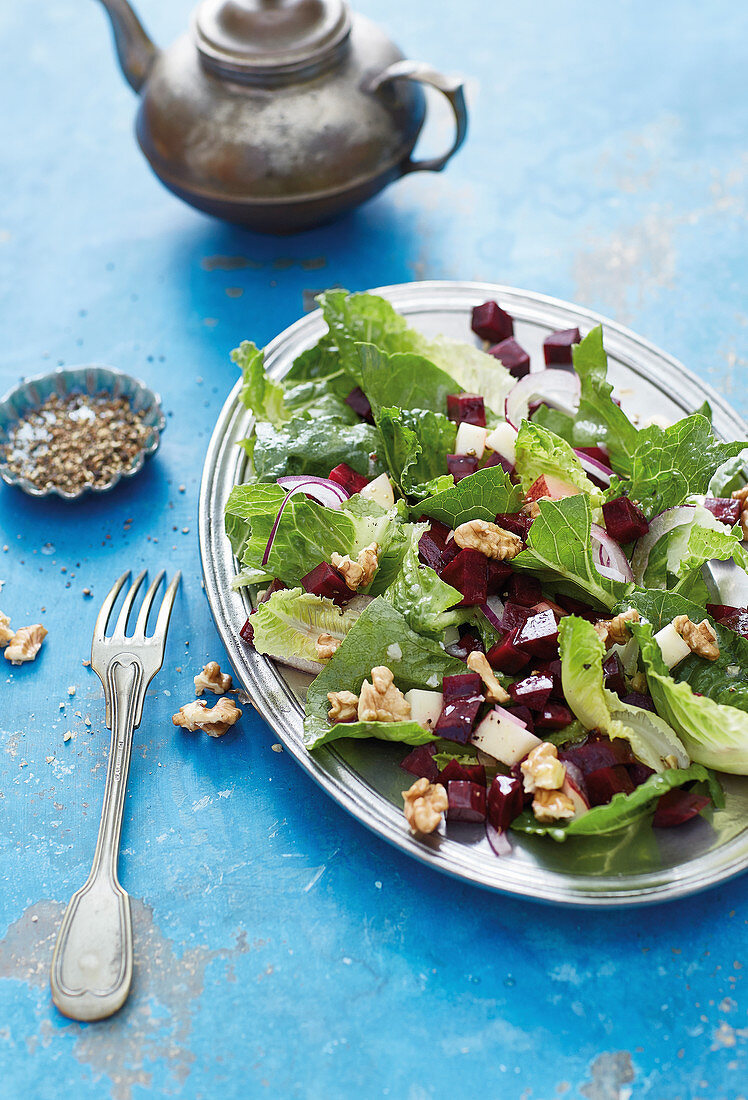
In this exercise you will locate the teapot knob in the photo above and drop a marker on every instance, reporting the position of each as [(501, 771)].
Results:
[(453, 89)]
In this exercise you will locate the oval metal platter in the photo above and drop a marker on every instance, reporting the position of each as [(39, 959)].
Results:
[(636, 866)]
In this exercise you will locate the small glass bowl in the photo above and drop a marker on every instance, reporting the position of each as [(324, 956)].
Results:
[(92, 380)]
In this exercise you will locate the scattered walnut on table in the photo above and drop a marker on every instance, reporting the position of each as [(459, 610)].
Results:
[(549, 806), (495, 693), (380, 700), (701, 638), (5, 632), (343, 706), (212, 679), (424, 804), (215, 721), (25, 644), (326, 645), (542, 770), (489, 538), (357, 573), (613, 631)]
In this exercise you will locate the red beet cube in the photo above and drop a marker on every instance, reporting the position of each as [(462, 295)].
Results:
[(460, 466), (346, 477), (467, 801), (495, 459), (515, 615), (325, 580), (247, 633), (498, 571), (433, 544), (467, 407), (557, 347), (421, 763), (677, 807), (639, 699), (274, 586), (523, 715), (553, 716), (453, 770), (613, 674), (539, 635), (624, 521), (506, 800), (524, 589), (455, 723), (605, 782), (639, 773), (553, 669), (596, 754), (516, 522), (468, 573), (460, 685), (359, 402), (532, 692), (737, 620), (724, 509), (490, 322), (576, 607), (513, 356), (506, 656)]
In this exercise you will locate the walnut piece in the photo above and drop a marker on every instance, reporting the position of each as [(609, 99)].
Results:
[(542, 770), (214, 721), (343, 706), (5, 632), (212, 679), (613, 631), (701, 638), (424, 804), (326, 645), (495, 693), (551, 806), (742, 496), (380, 700), (489, 538), (357, 573), (25, 644)]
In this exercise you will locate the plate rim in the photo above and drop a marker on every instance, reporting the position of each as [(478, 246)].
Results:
[(270, 694)]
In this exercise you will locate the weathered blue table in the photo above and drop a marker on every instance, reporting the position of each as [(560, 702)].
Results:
[(281, 950)]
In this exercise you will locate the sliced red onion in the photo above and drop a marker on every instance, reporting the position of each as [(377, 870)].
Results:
[(499, 841), (493, 609), (558, 388), (612, 562), (319, 488), (596, 471), (660, 526)]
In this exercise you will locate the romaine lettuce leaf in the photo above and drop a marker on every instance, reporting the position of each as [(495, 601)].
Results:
[(651, 739), (303, 446), (415, 445), (728, 477), (380, 636), (539, 452), (596, 405), (483, 495), (259, 394), (684, 549), (288, 624), (403, 380), (426, 601)]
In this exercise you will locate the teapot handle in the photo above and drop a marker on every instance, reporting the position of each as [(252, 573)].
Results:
[(450, 87)]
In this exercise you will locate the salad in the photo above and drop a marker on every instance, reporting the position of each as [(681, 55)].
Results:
[(496, 568)]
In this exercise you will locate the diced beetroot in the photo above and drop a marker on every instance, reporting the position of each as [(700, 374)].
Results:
[(247, 633), (468, 573), (455, 723), (514, 616), (421, 763), (553, 669), (346, 477), (600, 454), (624, 520), (613, 675), (605, 782), (467, 801), (430, 552), (594, 755), (550, 605), (506, 800), (513, 356), (359, 402), (460, 466), (532, 692), (325, 580), (524, 589), (516, 773), (639, 773), (557, 347), (460, 685), (639, 699), (676, 807), (553, 716), (721, 611), (274, 586), (523, 715), (471, 639), (466, 408), (539, 635), (516, 522), (506, 656), (468, 773), (724, 509), (495, 459), (490, 322), (576, 607), (498, 571), (734, 618)]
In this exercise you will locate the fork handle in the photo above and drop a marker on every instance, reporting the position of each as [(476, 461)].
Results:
[(92, 961)]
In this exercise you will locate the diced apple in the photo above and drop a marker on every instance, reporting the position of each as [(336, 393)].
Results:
[(674, 649), (549, 486), (380, 491), (569, 787), (503, 737), (425, 707), (471, 439), (503, 440)]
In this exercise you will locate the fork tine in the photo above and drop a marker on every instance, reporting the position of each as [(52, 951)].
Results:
[(164, 614), (120, 629), (147, 604), (106, 608)]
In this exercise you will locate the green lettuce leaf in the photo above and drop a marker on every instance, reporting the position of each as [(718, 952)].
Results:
[(303, 446), (288, 624), (415, 445), (380, 636), (596, 405), (541, 452), (651, 739), (559, 552), (684, 549), (728, 477), (259, 394), (483, 495), (403, 380), (426, 601)]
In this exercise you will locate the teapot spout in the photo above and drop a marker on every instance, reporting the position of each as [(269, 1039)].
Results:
[(135, 50)]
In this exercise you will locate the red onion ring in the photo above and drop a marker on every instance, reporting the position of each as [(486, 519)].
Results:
[(661, 525), (499, 841), (596, 471), (319, 488), (560, 389), (612, 562)]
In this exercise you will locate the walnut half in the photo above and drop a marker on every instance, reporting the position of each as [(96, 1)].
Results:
[(613, 631), (343, 706), (380, 700), (495, 693), (424, 804), (25, 644), (212, 679), (357, 573), (215, 721), (5, 632), (701, 638), (549, 806), (542, 770), (326, 645), (489, 538)]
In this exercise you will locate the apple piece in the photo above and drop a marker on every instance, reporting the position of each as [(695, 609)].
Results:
[(553, 487), (380, 491), (471, 439), (425, 707), (674, 649), (573, 790), (503, 737), (503, 439)]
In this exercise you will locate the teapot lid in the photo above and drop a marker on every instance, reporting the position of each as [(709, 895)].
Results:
[(256, 39)]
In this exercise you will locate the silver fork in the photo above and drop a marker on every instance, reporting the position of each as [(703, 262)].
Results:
[(92, 962)]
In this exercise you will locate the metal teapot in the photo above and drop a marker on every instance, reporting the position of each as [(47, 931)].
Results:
[(278, 114)]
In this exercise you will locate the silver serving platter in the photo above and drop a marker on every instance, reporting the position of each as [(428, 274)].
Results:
[(634, 867)]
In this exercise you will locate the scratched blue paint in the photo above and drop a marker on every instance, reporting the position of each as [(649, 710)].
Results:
[(281, 950)]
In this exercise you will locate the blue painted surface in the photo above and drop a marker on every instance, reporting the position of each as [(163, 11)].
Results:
[(280, 949)]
